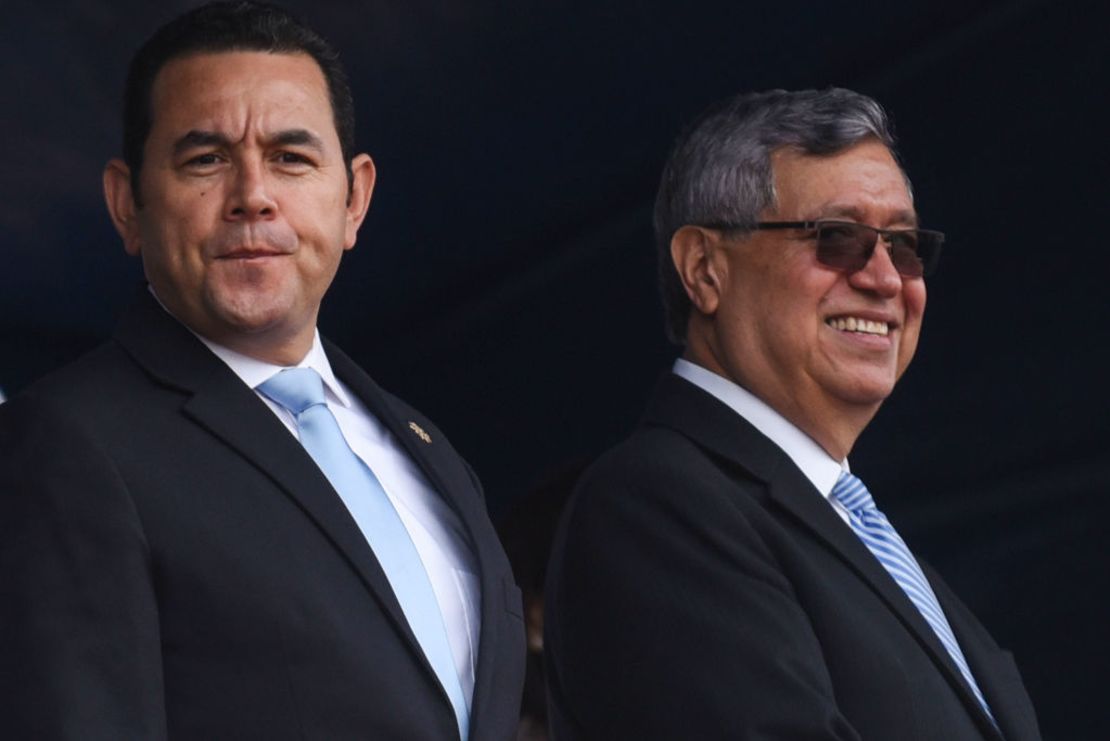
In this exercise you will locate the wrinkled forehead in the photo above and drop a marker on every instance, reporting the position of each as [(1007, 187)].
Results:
[(227, 82)]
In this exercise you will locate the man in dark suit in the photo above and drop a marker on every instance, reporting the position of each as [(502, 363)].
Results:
[(721, 574), (182, 553)]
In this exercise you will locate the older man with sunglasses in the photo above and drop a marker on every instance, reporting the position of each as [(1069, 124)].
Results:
[(721, 574)]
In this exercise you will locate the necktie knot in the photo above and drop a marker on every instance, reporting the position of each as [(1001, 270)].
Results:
[(851, 493), (296, 389)]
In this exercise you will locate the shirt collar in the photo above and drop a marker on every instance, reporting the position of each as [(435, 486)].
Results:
[(254, 372), (817, 465)]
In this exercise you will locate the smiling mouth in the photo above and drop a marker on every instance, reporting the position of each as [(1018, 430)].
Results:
[(860, 326)]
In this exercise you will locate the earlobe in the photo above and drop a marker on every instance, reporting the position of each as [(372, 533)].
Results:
[(693, 249), (121, 204), (364, 175)]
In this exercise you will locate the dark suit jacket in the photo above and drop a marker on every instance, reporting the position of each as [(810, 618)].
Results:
[(172, 563), (701, 588)]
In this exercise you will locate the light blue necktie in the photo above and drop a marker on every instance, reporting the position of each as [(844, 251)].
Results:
[(883, 541), (301, 391)]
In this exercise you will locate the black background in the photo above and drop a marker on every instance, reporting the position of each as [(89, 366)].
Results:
[(504, 280)]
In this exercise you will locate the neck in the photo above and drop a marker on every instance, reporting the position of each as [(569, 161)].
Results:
[(285, 353), (836, 434), (835, 427), (272, 345)]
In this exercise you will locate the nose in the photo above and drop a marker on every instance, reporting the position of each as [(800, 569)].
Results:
[(249, 197), (879, 275)]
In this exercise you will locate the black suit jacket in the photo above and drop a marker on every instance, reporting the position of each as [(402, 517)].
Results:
[(700, 588), (172, 563)]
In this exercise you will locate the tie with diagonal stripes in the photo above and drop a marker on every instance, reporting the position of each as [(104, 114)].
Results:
[(883, 541), (301, 391)]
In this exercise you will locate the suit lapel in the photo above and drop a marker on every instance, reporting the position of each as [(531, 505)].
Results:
[(447, 474), (436, 460), (223, 405), (994, 669), (789, 490), (713, 425)]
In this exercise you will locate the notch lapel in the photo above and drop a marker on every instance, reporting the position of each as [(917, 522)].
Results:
[(994, 669), (794, 493), (453, 481), (435, 459), (699, 415), (218, 400)]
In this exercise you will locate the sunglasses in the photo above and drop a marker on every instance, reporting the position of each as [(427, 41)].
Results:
[(848, 246)]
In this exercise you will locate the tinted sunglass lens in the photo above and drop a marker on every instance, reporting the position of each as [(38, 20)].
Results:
[(848, 246), (905, 253), (844, 246), (929, 251)]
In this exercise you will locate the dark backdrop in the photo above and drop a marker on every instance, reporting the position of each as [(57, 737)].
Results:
[(504, 281)]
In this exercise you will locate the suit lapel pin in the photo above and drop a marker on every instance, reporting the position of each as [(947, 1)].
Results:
[(420, 432)]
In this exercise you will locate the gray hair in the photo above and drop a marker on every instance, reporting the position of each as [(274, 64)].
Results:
[(719, 170)]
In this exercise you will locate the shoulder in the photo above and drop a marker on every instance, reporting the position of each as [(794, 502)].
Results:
[(659, 497), (106, 410), (659, 467), (76, 405), (416, 432), (57, 461), (88, 384), (650, 452), (400, 416)]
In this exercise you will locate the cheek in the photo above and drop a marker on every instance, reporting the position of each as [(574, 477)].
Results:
[(178, 221), (914, 297), (915, 302)]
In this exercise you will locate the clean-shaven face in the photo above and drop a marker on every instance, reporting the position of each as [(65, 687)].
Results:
[(810, 340), (245, 195)]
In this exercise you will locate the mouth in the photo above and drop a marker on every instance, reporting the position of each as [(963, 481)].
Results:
[(859, 325), (250, 254)]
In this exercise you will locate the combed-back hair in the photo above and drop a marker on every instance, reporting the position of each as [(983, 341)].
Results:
[(719, 170)]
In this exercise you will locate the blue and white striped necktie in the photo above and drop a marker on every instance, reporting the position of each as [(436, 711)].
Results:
[(301, 391), (883, 541)]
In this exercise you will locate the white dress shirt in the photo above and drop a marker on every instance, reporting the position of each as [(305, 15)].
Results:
[(817, 465), (435, 529)]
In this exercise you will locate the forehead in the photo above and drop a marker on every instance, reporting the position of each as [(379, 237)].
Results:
[(862, 182), (224, 88)]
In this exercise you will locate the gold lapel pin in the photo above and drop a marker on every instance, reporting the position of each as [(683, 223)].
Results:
[(420, 432)]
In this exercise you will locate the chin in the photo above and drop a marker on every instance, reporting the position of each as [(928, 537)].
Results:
[(864, 390), (253, 312), (867, 395)]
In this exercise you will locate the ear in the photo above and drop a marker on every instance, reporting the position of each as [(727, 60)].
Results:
[(121, 204), (358, 202), (694, 251)]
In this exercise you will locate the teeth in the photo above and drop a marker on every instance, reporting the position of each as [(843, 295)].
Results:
[(852, 324)]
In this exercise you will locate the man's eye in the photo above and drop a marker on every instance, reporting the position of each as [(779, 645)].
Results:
[(906, 240), (292, 158), (837, 232), (203, 160)]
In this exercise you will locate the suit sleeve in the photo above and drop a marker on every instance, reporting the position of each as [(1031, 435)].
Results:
[(668, 618), (80, 654)]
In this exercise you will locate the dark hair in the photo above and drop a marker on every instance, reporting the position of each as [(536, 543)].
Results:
[(720, 167), (223, 27)]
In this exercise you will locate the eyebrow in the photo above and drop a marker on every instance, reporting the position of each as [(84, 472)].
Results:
[(296, 137), (285, 138), (856, 214), (195, 139)]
